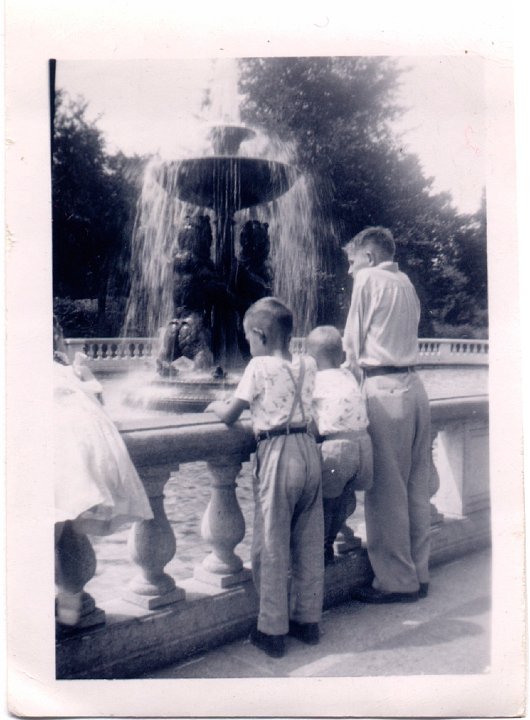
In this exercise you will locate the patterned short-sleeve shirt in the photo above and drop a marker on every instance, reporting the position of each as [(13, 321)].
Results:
[(269, 389), (338, 405)]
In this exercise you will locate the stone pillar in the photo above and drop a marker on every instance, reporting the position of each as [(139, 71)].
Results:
[(75, 565), (434, 480), (462, 459), (152, 545), (223, 527)]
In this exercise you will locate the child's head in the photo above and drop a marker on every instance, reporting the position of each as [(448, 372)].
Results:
[(324, 343), (268, 325)]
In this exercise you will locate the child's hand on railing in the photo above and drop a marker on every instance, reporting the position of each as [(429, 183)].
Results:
[(215, 406)]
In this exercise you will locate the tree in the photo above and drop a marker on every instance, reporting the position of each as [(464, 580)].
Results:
[(338, 111), (93, 201)]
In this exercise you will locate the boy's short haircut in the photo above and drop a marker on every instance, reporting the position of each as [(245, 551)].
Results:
[(270, 314), (378, 236), (327, 340)]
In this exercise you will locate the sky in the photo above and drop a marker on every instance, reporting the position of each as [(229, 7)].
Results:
[(145, 106)]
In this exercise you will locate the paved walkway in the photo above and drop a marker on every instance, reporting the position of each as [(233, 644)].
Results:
[(446, 633)]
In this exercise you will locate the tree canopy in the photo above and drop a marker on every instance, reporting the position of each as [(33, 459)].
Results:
[(339, 110), (93, 204)]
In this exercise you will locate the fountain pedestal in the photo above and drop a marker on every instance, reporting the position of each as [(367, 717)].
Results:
[(226, 183)]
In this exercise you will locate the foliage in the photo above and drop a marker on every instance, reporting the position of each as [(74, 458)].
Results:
[(78, 318), (339, 113), (93, 204)]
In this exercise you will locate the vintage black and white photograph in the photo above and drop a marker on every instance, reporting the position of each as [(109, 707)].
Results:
[(269, 319)]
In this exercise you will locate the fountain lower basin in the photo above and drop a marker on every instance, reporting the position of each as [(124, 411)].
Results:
[(187, 393)]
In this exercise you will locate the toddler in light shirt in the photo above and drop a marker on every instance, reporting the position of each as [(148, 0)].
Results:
[(340, 415)]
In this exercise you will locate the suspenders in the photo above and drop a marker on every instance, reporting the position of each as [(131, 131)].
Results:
[(297, 401), (298, 384)]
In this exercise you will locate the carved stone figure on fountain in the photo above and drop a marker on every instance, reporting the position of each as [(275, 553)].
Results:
[(253, 272), (197, 288), (253, 278)]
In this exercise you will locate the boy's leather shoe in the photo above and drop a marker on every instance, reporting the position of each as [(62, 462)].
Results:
[(371, 595), (272, 645), (308, 633), (424, 590)]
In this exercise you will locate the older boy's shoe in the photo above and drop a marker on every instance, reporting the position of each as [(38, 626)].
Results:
[(272, 645), (371, 595), (424, 590), (308, 633), (329, 556)]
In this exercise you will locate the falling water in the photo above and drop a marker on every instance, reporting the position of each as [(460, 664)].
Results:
[(159, 216), (299, 234)]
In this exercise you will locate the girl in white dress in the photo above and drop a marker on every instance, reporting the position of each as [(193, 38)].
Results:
[(96, 485)]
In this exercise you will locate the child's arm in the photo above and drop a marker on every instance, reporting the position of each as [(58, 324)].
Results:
[(227, 411)]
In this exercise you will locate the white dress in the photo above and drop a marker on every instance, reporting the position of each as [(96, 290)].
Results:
[(95, 480)]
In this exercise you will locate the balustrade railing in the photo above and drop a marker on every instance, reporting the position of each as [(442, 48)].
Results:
[(159, 446), (112, 353), (442, 351), (119, 354)]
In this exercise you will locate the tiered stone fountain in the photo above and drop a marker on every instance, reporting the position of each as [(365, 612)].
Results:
[(201, 351)]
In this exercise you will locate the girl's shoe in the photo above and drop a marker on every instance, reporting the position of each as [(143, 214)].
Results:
[(68, 608)]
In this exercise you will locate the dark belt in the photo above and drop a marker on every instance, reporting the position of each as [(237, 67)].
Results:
[(275, 432), (343, 435), (387, 370)]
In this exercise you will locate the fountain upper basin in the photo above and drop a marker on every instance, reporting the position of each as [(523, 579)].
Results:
[(222, 181)]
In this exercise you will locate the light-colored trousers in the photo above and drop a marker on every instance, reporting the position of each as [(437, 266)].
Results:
[(288, 532), (397, 507)]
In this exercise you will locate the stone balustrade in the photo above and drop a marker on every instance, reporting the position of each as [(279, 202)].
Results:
[(158, 621), (113, 354), (440, 351), (121, 354)]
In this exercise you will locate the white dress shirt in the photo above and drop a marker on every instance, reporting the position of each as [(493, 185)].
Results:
[(382, 324)]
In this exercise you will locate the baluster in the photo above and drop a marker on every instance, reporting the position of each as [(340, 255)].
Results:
[(347, 540), (434, 478), (152, 545), (75, 565), (223, 527)]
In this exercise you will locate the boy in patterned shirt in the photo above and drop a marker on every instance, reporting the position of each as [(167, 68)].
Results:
[(346, 449), (288, 517)]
